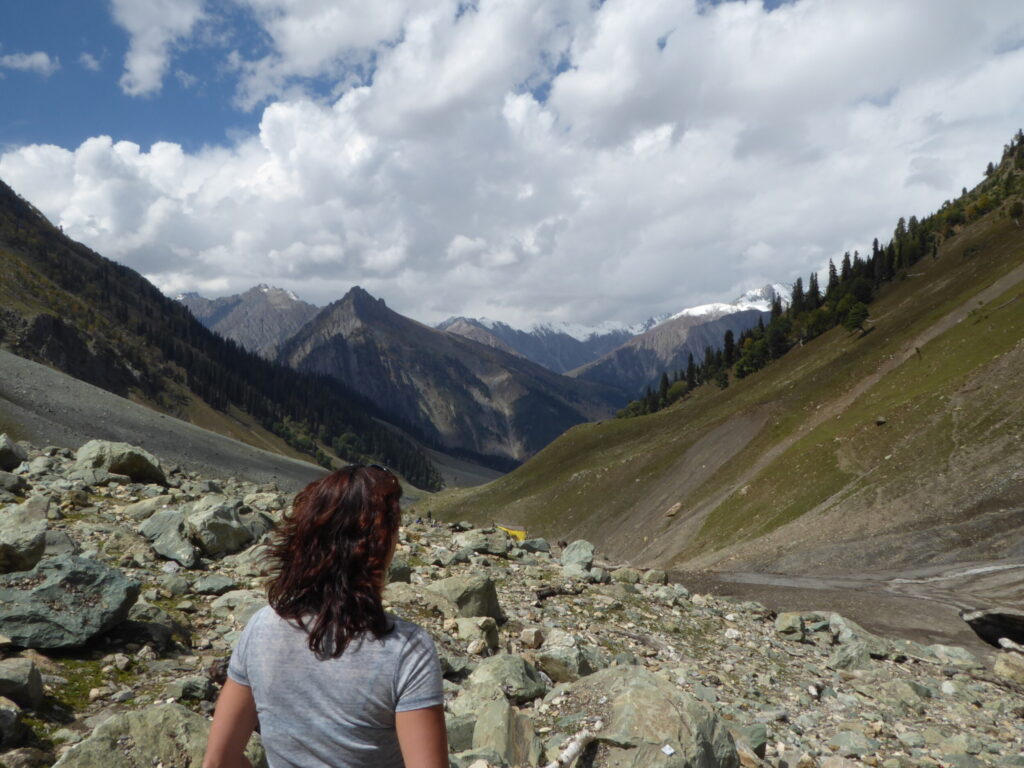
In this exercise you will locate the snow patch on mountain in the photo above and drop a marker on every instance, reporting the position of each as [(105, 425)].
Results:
[(578, 331), (759, 299)]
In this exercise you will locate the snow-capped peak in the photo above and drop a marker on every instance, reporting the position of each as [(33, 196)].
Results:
[(759, 299), (578, 331)]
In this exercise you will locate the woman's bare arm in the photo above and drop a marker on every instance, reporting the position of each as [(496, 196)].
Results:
[(423, 737), (233, 723)]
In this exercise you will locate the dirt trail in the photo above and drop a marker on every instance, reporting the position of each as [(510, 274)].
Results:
[(836, 406)]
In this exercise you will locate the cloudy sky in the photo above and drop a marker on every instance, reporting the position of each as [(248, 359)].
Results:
[(520, 159)]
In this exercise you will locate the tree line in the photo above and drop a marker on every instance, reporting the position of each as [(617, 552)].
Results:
[(848, 292)]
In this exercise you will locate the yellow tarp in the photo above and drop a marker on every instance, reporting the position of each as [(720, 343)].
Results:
[(517, 533)]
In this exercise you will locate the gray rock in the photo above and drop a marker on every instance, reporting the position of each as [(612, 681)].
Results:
[(563, 664), (576, 572), (239, 604), (152, 624), (13, 483), (414, 596), (214, 584), (12, 728), (193, 688), (166, 531), (516, 677), (473, 594), (399, 571), (120, 459), (755, 736), (790, 624), (21, 682), (626, 576), (142, 510), (166, 734), (853, 744), (646, 712), (509, 733), (11, 454), (1011, 667), (217, 527), (471, 758), (535, 545), (59, 543), (579, 553), (854, 654), (22, 538), (482, 628), (63, 602), (655, 576), (488, 541), (460, 731)]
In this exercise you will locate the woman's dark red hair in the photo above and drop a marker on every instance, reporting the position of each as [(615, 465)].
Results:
[(329, 556)]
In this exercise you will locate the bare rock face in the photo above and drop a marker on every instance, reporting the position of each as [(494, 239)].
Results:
[(63, 602), (120, 459)]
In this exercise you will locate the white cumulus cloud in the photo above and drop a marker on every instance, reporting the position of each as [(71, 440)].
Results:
[(38, 61), (532, 160), (153, 27)]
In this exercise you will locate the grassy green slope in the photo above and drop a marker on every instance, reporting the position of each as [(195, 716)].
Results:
[(787, 468)]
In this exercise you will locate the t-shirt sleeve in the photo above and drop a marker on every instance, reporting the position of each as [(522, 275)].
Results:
[(418, 678), (236, 666)]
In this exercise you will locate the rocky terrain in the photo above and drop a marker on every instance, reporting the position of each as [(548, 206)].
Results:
[(124, 582)]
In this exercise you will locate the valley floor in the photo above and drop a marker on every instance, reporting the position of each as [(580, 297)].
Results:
[(923, 604)]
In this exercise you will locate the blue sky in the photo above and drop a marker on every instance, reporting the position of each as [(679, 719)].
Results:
[(525, 161), (77, 102)]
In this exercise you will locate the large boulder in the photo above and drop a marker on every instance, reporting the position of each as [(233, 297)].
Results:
[(165, 734), (165, 529), (474, 595), (646, 714), (219, 526), (508, 732), (489, 541), (512, 674), (63, 602), (22, 537), (120, 459), (11, 454), (580, 554)]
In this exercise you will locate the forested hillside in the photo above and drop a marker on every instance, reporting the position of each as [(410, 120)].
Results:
[(65, 305), (894, 439)]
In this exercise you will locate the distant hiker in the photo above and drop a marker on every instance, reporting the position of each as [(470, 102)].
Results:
[(331, 678)]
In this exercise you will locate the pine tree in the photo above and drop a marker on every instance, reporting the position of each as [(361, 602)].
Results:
[(691, 372), (833, 282), (729, 348), (813, 292), (796, 302), (663, 388)]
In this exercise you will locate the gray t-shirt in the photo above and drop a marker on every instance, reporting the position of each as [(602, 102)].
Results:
[(334, 712)]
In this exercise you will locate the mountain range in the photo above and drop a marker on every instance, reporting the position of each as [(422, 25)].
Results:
[(472, 387), (453, 392), (261, 319)]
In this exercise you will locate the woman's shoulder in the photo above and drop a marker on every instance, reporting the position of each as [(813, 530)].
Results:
[(406, 631)]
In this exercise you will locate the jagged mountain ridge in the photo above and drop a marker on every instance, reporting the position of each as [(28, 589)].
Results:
[(640, 361), (452, 391), (259, 319), (64, 305), (559, 347)]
